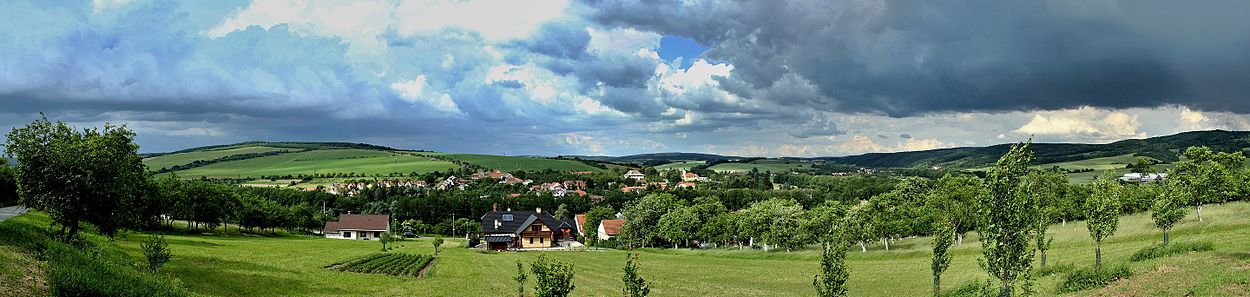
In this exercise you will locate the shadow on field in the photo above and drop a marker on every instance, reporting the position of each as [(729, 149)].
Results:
[(240, 278)]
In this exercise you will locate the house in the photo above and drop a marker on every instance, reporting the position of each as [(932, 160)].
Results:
[(503, 230), (635, 175), (685, 185), (581, 173), (1143, 178), (633, 189), (364, 227), (581, 223), (692, 177), (609, 229)]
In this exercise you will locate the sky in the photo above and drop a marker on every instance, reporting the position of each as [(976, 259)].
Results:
[(609, 77)]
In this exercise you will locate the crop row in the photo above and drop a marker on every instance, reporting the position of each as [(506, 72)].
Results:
[(382, 263)]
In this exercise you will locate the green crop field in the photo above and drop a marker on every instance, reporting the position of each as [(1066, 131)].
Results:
[(359, 161), (165, 161), (295, 265), (773, 165), (1115, 165), (679, 165), (509, 163)]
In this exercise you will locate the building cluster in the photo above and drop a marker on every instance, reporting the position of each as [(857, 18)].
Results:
[(354, 188), (539, 230)]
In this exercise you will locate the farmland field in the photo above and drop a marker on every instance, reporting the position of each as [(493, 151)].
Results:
[(679, 165), (165, 161), (509, 163), (294, 265), (773, 165), (323, 161)]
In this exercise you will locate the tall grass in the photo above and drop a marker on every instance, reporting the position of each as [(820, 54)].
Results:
[(1175, 248), (92, 265)]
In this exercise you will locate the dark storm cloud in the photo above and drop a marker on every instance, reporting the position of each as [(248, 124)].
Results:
[(905, 58)]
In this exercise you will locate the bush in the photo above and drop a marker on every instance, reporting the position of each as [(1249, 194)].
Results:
[(1088, 278), (972, 289), (1160, 251), (156, 251)]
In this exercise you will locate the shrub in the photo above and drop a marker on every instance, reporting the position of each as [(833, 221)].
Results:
[(554, 278), (972, 289), (1160, 250), (1088, 278), (156, 251)]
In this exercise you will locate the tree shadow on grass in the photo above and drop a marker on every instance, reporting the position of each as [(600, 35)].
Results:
[(220, 277)]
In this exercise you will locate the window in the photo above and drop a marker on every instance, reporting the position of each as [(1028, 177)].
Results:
[(536, 228), (347, 234), (531, 240), (507, 217), (540, 239)]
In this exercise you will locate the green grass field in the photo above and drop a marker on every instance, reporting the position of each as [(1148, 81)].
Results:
[(294, 265), (679, 165), (773, 165), (509, 163), (165, 161), (323, 161), (1116, 165)]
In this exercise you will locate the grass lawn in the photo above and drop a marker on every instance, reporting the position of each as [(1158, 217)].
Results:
[(165, 161), (510, 163), (679, 165), (321, 161), (293, 265), (773, 165)]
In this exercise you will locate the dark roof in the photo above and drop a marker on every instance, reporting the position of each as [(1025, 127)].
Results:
[(498, 239), (359, 222), (520, 220)]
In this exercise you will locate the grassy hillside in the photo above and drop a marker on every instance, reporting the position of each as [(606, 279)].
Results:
[(283, 266), (323, 161), (679, 165), (764, 165), (1163, 148), (514, 163), (170, 160)]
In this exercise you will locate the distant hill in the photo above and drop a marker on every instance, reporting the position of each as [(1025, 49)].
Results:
[(656, 158), (1163, 148)]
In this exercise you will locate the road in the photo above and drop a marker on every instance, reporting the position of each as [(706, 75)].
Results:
[(11, 211)]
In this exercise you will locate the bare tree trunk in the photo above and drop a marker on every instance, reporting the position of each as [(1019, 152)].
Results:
[(937, 285), (863, 248), (1098, 256), (1199, 211), (886, 241), (1165, 236)]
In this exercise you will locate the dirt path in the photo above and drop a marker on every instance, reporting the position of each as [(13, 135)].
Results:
[(426, 268), (11, 211)]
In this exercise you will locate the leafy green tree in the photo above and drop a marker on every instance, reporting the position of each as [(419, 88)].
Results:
[(1102, 213), (90, 175), (775, 221), (563, 212), (1007, 217), (956, 197), (643, 215), (822, 224), (721, 228), (858, 227), (1142, 165), (156, 251), (553, 277), (520, 279), (8, 183), (386, 238), (678, 226), (635, 285), (438, 241), (1047, 188), (943, 237), (1167, 211), (833, 271)]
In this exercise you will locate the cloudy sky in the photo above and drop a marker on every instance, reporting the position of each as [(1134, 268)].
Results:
[(764, 78)]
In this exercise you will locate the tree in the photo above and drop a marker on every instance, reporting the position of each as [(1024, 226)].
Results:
[(89, 175), (677, 226), (1166, 210), (562, 212), (858, 226), (822, 224), (1007, 217), (775, 221), (635, 285), (156, 251), (520, 279), (943, 237), (643, 215), (1102, 213), (1142, 165), (1047, 188), (438, 241), (956, 196), (386, 238), (833, 271), (553, 277)]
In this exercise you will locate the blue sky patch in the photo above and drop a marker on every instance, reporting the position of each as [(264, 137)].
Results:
[(673, 47)]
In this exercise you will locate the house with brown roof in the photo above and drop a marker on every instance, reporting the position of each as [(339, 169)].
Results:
[(609, 229), (352, 226)]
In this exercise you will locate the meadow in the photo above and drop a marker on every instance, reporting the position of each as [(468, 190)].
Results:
[(165, 161), (764, 165), (679, 165), (514, 163), (237, 265), (324, 161)]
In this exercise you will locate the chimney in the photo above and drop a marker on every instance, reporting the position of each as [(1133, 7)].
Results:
[(538, 210)]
